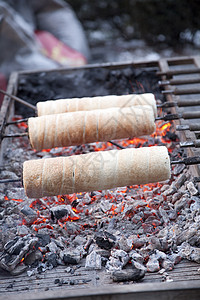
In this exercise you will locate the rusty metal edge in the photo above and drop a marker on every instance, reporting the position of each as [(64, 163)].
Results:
[(140, 291), (113, 65), (7, 111)]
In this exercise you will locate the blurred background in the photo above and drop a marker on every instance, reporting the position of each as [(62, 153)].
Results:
[(139, 29)]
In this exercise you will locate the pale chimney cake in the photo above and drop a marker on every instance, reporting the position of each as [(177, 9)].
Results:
[(90, 103), (82, 127), (95, 171)]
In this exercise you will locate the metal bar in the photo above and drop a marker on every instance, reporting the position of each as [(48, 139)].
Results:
[(9, 180), (191, 115), (191, 127), (169, 117), (17, 121), (180, 103), (18, 100), (187, 161), (179, 81), (184, 115), (178, 72), (182, 92), (15, 135), (117, 145), (195, 144)]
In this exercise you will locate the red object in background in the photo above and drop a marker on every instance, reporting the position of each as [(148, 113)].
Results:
[(58, 51), (3, 85)]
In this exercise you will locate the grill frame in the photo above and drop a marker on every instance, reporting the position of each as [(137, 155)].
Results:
[(152, 287)]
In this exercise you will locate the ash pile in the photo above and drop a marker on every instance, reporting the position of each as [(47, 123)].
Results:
[(125, 231)]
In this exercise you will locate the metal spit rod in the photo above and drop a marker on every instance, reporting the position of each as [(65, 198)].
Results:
[(18, 100), (180, 103), (178, 72), (187, 161), (191, 127), (182, 91), (179, 81), (184, 115), (195, 144)]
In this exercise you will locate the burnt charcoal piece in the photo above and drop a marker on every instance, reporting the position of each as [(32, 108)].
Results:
[(59, 212), (9, 244), (33, 258), (29, 214), (171, 136), (105, 240), (71, 256), (44, 239), (51, 259), (16, 247), (69, 259), (128, 275)]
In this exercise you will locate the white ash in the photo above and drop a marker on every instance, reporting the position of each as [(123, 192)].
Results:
[(93, 261)]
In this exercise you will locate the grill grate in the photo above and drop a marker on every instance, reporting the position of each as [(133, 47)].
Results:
[(185, 277)]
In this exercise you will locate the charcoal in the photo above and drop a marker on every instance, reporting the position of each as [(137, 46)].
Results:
[(167, 264), (180, 204), (17, 247), (164, 188), (186, 235), (105, 205), (33, 257), (11, 243), (195, 206), (170, 191), (51, 259), (79, 240), (138, 242), (31, 272), (93, 261), (117, 260), (191, 188), (148, 194), (175, 258), (60, 211), (18, 270), (135, 256), (105, 240), (41, 268), (180, 181), (176, 197), (68, 269), (28, 211), (189, 252), (178, 169), (43, 239), (72, 256), (153, 264), (10, 262), (127, 275), (52, 247), (164, 215), (88, 243), (22, 230), (125, 244), (139, 266), (103, 252)]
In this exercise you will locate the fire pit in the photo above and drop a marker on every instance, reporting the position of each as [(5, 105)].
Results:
[(135, 240)]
